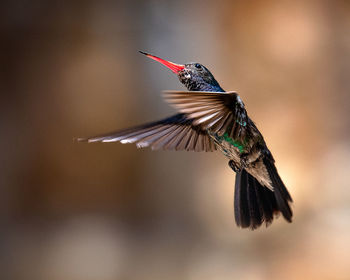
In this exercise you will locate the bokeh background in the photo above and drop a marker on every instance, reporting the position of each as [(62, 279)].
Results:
[(110, 211)]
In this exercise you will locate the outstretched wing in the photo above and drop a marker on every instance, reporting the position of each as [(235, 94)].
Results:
[(173, 133), (218, 111)]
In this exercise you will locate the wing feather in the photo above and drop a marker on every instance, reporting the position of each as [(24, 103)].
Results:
[(218, 111), (174, 133)]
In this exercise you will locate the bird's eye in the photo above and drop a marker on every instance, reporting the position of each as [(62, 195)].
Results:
[(198, 66)]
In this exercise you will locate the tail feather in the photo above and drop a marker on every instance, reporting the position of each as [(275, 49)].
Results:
[(242, 208), (256, 204), (281, 193), (255, 209), (267, 201)]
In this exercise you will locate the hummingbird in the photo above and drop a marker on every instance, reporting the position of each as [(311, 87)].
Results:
[(212, 119)]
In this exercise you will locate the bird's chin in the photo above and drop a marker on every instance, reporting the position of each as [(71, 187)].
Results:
[(187, 76), (184, 76)]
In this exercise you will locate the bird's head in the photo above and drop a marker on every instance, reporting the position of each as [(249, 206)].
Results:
[(194, 76)]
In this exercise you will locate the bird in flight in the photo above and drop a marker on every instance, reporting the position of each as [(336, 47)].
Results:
[(211, 119)]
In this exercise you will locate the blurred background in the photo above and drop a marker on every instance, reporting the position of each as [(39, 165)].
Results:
[(110, 211)]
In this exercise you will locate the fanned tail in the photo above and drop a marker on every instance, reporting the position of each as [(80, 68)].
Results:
[(255, 204)]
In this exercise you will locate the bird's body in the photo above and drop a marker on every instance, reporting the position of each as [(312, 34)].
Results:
[(211, 119)]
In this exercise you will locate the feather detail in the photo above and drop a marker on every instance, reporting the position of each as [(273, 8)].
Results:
[(175, 133), (255, 203), (211, 110)]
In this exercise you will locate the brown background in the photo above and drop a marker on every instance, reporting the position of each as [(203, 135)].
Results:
[(110, 211)]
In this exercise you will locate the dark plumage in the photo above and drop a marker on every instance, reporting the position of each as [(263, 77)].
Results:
[(212, 119), (255, 204)]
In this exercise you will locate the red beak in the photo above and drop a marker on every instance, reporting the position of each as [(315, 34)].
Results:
[(176, 68)]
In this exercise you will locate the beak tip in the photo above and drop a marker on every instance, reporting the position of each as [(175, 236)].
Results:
[(143, 52)]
